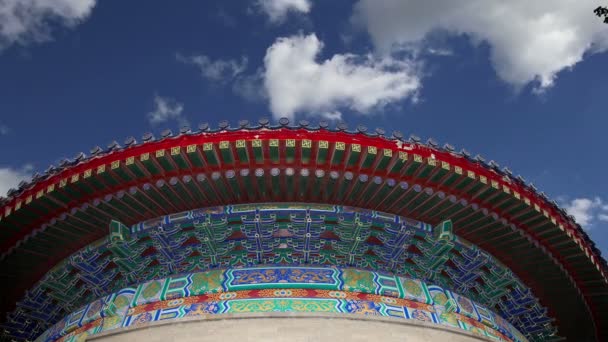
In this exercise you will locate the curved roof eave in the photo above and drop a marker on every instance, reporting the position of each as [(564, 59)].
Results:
[(547, 213)]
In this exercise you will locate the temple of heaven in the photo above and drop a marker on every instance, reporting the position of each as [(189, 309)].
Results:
[(292, 232)]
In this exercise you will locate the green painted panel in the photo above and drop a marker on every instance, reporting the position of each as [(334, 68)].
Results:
[(163, 159), (338, 153), (226, 151), (210, 154), (290, 150), (322, 152), (273, 148), (180, 161), (149, 164), (306, 151), (370, 157), (258, 151), (241, 151)]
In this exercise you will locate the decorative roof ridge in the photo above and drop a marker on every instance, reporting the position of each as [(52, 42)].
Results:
[(283, 123)]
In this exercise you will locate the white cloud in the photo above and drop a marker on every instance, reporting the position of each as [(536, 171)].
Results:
[(250, 87), (230, 71), (296, 82), (10, 178), (530, 41), (277, 10), (216, 70), (332, 116), (587, 211), (439, 51), (167, 109), (4, 129), (25, 21)]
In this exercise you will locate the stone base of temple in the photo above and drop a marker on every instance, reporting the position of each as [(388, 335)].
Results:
[(291, 327)]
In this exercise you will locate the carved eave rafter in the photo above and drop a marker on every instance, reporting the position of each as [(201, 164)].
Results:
[(68, 208)]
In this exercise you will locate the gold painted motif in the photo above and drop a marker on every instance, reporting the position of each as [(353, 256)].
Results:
[(252, 306), (311, 305), (210, 281)]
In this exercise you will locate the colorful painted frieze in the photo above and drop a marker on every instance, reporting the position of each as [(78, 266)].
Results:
[(282, 288), (278, 277), (289, 246)]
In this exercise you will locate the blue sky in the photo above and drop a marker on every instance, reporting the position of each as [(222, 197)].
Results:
[(523, 84)]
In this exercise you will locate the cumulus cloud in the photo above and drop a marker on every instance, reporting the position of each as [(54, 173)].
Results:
[(587, 211), (277, 10), (25, 21), (530, 41), (216, 70), (293, 80), (10, 178), (166, 109), (296, 82)]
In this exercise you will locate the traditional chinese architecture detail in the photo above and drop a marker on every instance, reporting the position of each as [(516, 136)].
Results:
[(214, 221), (281, 289), (244, 235)]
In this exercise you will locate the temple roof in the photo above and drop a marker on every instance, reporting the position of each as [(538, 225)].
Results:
[(70, 206)]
